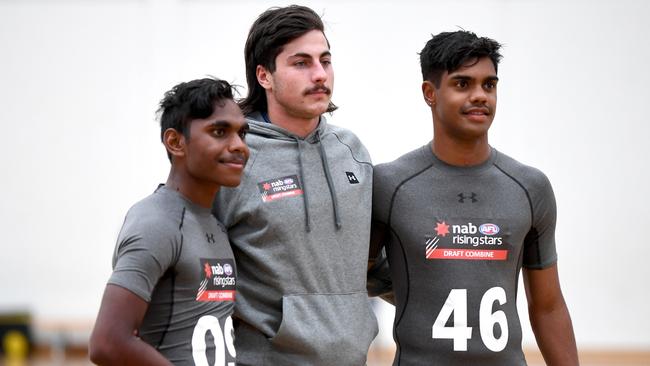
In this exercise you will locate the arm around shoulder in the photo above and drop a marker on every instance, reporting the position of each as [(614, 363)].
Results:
[(549, 316), (114, 339), (379, 282)]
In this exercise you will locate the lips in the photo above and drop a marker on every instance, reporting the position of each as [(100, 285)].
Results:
[(477, 111), (477, 114), (234, 161)]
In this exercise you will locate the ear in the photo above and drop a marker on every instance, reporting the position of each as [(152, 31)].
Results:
[(264, 77), (429, 92), (174, 142)]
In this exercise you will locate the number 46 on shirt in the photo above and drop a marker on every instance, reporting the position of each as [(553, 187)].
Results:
[(456, 303)]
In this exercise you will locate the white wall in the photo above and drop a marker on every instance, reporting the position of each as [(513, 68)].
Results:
[(80, 80)]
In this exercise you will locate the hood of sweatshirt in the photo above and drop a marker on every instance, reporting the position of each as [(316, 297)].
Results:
[(260, 126)]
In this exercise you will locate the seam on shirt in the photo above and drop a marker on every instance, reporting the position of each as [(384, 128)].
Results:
[(408, 291), (530, 201), (349, 148), (171, 310), (172, 271), (180, 226), (180, 246), (532, 212), (392, 199)]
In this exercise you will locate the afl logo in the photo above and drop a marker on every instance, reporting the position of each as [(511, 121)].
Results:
[(488, 229)]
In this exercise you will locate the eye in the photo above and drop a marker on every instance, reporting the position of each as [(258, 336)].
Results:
[(219, 132), (461, 83), (242, 134), (490, 84), (326, 62), (300, 63)]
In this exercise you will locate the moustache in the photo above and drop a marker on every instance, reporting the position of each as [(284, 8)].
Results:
[(318, 89)]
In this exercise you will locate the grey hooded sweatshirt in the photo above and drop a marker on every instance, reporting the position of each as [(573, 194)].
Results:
[(299, 225)]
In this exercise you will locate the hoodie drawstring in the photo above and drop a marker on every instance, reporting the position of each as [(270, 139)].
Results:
[(330, 185), (305, 200), (328, 178)]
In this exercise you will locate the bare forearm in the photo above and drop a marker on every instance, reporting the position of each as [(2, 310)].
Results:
[(550, 317), (114, 339), (555, 338), (132, 351)]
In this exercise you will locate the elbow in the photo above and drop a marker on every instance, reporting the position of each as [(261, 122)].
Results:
[(548, 306), (98, 354), (101, 351)]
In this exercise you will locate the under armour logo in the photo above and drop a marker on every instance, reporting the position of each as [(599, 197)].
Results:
[(209, 237), (473, 196), (352, 178)]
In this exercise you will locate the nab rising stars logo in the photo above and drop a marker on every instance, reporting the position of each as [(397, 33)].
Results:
[(466, 241), (219, 281), (442, 229), (278, 188)]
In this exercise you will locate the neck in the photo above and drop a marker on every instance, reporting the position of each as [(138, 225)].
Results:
[(301, 126), (461, 153), (199, 192)]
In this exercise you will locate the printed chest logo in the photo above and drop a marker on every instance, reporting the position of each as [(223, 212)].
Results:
[(467, 197), (278, 188), (219, 280), (465, 241), (352, 179)]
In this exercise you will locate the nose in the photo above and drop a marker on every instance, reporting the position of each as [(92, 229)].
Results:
[(319, 74), (478, 95), (238, 144)]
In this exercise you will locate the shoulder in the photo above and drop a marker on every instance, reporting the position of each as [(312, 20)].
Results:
[(154, 216), (159, 206), (407, 166), (530, 178), (342, 133), (388, 178), (349, 140), (151, 236)]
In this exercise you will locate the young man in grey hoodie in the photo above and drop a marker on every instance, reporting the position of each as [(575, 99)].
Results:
[(299, 223)]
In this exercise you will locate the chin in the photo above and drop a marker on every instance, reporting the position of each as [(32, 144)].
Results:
[(317, 112), (230, 182), (317, 109)]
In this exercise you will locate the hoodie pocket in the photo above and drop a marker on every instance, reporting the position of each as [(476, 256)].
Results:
[(324, 329)]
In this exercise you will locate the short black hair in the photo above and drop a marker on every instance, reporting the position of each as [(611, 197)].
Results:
[(448, 51), (194, 99), (269, 33)]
